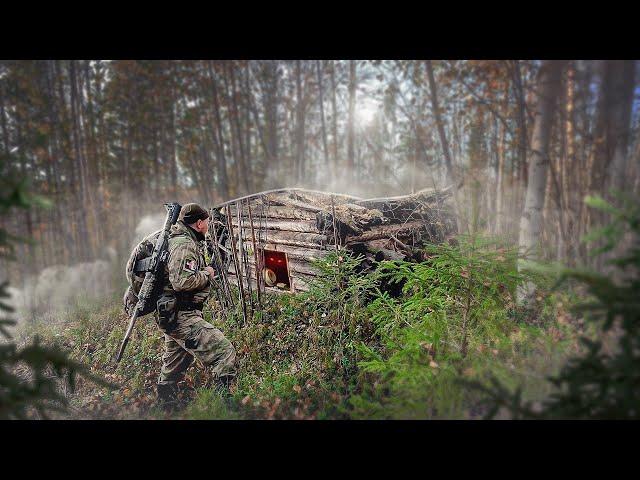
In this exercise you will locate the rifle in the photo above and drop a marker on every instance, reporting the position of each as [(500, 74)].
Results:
[(153, 276)]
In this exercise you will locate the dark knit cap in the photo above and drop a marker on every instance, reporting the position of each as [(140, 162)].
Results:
[(191, 213)]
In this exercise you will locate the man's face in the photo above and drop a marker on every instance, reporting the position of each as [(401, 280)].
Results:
[(202, 226)]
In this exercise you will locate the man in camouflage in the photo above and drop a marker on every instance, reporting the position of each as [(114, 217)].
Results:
[(187, 336)]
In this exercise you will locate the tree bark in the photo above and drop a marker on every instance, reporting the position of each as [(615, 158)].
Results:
[(244, 171), (83, 198), (521, 120), (334, 117), (548, 83), (3, 122), (351, 120), (223, 178), (325, 149), (451, 178), (620, 118), (300, 125), (499, 198)]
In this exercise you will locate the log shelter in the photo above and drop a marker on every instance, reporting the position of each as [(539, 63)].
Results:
[(267, 241)]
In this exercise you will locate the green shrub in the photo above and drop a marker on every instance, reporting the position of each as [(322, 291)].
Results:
[(455, 301)]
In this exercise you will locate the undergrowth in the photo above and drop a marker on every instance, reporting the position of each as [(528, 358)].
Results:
[(346, 348)]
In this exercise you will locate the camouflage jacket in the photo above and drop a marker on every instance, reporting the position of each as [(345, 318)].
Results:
[(184, 273)]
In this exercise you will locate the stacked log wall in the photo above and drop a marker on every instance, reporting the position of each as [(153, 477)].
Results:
[(300, 224)]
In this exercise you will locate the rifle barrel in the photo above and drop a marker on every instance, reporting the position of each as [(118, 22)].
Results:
[(125, 340)]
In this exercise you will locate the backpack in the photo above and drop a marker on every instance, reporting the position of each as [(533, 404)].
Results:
[(135, 271)]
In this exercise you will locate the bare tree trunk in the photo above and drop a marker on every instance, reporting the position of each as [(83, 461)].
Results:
[(622, 88), (247, 128), (477, 166), (334, 116), (325, 149), (620, 119), (351, 119), (259, 171), (499, 207), (28, 214), (607, 160), (84, 197), (548, 80), (300, 125), (223, 179), (271, 112), (244, 170), (570, 183), (444, 144), (451, 178), (3, 122), (598, 155), (55, 121), (521, 119)]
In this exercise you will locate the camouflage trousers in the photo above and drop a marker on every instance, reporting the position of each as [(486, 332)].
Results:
[(191, 339)]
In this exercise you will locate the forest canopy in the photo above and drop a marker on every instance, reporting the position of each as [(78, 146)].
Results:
[(100, 138)]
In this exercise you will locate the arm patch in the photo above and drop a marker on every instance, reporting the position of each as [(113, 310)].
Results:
[(190, 265)]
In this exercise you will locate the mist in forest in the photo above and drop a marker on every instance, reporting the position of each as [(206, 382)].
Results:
[(148, 224), (59, 288)]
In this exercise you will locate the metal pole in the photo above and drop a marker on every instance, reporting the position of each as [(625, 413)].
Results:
[(236, 264), (255, 255), (243, 254)]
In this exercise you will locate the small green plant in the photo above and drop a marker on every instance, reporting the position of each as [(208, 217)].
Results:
[(339, 285)]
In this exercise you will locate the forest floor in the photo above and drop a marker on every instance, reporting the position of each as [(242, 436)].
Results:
[(350, 352)]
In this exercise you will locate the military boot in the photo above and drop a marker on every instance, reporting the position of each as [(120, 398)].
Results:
[(187, 394), (167, 398)]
